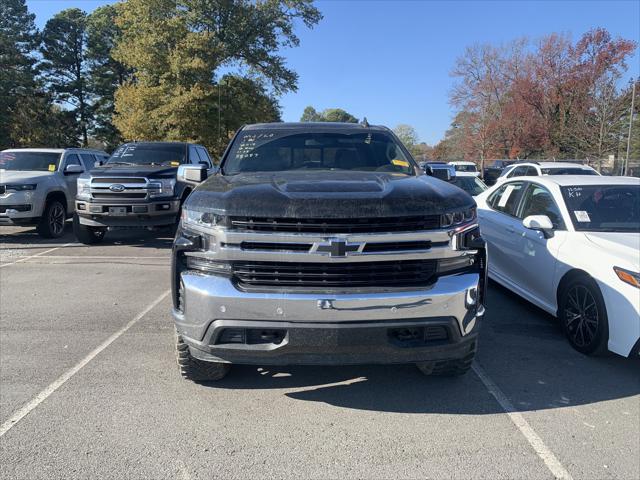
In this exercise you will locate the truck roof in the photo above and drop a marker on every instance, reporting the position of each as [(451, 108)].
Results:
[(318, 126)]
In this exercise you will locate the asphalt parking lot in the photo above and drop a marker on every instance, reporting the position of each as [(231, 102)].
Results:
[(89, 389)]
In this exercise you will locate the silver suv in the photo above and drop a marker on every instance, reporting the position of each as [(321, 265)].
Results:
[(38, 185)]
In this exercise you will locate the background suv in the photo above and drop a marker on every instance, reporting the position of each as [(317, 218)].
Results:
[(38, 185)]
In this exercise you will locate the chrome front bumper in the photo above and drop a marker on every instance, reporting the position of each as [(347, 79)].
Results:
[(332, 328)]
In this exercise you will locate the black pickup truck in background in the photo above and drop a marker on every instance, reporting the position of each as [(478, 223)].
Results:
[(135, 187), (493, 171)]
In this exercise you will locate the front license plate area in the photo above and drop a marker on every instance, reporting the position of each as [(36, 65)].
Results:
[(117, 210)]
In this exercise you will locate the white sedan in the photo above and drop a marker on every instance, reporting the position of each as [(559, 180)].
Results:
[(570, 245)]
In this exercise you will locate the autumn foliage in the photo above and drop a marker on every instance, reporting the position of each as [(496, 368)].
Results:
[(552, 99)]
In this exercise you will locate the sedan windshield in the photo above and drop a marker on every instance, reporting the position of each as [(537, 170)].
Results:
[(604, 208), (472, 185), (568, 171), (38, 161), (148, 154), (285, 150)]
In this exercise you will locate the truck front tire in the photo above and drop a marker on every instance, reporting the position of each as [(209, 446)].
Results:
[(85, 234), (198, 370)]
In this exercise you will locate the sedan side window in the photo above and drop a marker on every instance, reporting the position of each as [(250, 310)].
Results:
[(532, 172), (507, 198), (538, 201)]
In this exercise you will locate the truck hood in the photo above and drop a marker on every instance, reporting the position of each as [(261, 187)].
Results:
[(327, 194), (625, 247), (154, 171), (22, 176)]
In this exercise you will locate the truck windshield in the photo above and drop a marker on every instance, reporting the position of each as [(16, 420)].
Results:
[(284, 150), (604, 208), (466, 168), (148, 154), (38, 161)]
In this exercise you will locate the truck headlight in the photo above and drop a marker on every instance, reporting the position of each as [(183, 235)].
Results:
[(162, 187), (20, 187), (454, 219), (199, 219), (84, 188)]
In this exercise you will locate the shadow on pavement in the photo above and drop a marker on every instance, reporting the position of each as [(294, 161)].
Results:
[(27, 238), (521, 348)]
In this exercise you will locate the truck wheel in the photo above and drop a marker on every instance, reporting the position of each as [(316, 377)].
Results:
[(198, 370), (87, 235), (447, 368), (51, 224)]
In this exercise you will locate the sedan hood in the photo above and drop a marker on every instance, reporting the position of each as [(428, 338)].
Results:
[(327, 194), (624, 246), (22, 176)]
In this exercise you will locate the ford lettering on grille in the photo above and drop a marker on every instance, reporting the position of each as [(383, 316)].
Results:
[(117, 188)]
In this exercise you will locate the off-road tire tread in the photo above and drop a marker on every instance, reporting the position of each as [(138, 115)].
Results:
[(198, 370)]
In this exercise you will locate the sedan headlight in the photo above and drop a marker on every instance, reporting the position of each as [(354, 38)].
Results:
[(84, 188), (627, 276), (20, 187), (455, 219), (162, 187)]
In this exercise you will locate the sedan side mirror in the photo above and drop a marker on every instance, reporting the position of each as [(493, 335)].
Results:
[(192, 174), (73, 169), (541, 223)]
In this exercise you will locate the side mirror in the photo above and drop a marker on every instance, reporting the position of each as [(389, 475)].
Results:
[(541, 223), (192, 174), (73, 169)]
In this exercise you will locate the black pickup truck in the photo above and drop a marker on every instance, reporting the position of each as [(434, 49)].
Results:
[(322, 243), (135, 187)]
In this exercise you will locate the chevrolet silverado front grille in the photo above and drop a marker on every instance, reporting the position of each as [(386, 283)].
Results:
[(336, 225), (339, 275)]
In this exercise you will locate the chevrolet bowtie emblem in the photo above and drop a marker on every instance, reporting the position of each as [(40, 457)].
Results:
[(337, 248)]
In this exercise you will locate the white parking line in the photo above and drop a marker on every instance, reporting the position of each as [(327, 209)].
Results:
[(37, 254), (547, 456), (44, 394)]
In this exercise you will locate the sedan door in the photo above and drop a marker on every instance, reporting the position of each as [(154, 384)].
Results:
[(537, 256), (499, 223)]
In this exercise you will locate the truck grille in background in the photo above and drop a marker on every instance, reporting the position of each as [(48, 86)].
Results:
[(134, 188), (340, 275), (336, 225), (103, 195)]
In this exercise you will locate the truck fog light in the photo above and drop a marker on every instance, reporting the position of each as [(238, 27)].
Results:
[(82, 206)]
